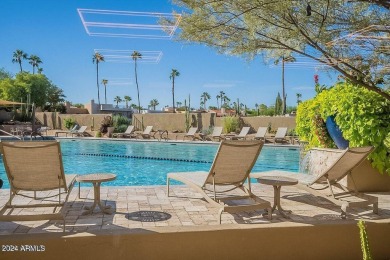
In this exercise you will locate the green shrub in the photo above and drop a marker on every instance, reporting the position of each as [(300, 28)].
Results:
[(362, 115), (230, 124), (98, 134), (69, 122), (120, 120), (121, 128)]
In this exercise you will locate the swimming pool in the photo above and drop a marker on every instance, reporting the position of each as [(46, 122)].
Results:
[(147, 163)]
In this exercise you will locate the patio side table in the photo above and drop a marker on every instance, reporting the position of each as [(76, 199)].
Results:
[(96, 179), (277, 182)]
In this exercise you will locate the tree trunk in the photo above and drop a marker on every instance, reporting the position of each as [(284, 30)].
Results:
[(97, 81), (173, 93), (20, 65), (136, 82), (105, 94)]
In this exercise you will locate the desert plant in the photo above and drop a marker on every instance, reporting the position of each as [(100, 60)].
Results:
[(230, 124), (69, 122), (364, 241)]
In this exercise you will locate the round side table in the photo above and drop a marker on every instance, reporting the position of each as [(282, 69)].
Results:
[(277, 182), (96, 179)]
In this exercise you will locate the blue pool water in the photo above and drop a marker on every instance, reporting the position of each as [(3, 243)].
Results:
[(147, 163)]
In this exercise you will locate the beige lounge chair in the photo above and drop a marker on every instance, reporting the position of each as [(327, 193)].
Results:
[(216, 134), (33, 167), (74, 129), (242, 135), (128, 133), (80, 131), (147, 133), (191, 133), (330, 177), (280, 135), (261, 132), (229, 171)]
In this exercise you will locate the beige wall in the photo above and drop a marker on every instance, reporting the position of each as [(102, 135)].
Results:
[(252, 241), (176, 121), (368, 179), (56, 120)]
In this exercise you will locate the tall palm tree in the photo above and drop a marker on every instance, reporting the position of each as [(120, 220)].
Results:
[(205, 96), (299, 95), (40, 70), (218, 97), (34, 61), (284, 96), (97, 58), (104, 82), (154, 103), (221, 96), (135, 56), (127, 99), (117, 99), (18, 56), (174, 73)]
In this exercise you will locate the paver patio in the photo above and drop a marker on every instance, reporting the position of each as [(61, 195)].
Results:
[(150, 208)]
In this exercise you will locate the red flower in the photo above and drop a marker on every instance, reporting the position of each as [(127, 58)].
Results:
[(316, 78)]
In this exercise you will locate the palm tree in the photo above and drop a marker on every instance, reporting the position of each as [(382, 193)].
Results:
[(97, 58), (104, 82), (127, 99), (154, 103), (135, 56), (178, 104), (18, 56), (205, 96), (284, 96), (40, 70), (34, 61), (221, 96), (218, 97), (117, 99), (299, 95), (174, 73), (257, 108)]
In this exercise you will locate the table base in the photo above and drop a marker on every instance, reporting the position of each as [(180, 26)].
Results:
[(277, 205), (96, 201)]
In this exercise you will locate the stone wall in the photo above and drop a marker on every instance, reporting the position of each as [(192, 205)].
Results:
[(203, 121)]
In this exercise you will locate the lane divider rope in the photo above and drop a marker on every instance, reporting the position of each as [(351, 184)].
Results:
[(142, 157)]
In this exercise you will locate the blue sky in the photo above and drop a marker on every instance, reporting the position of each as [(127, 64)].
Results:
[(53, 31)]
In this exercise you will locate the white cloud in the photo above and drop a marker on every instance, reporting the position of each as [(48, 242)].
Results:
[(221, 84), (303, 88)]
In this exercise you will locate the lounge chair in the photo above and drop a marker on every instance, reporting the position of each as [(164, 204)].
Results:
[(229, 171), (261, 132), (128, 133), (216, 134), (75, 130), (242, 135), (330, 177), (80, 131), (190, 134), (147, 133), (33, 167), (280, 135)]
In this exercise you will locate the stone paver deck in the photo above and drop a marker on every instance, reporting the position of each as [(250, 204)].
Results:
[(149, 207)]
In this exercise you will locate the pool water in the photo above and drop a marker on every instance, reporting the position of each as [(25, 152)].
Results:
[(147, 163)]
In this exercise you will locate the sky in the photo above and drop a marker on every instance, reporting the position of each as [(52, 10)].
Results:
[(54, 31)]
